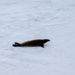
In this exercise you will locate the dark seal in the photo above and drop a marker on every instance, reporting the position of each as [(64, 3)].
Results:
[(31, 43)]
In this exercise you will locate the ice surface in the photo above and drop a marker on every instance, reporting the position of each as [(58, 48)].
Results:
[(22, 20)]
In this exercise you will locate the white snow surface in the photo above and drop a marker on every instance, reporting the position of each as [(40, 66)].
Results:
[(22, 20)]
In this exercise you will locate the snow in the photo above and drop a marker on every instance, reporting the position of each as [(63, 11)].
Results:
[(22, 20)]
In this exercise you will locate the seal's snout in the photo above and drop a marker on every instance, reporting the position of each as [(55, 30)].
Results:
[(47, 40)]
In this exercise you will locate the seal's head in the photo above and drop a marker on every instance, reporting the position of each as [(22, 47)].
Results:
[(46, 40)]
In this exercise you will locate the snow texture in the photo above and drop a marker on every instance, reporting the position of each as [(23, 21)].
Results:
[(22, 20)]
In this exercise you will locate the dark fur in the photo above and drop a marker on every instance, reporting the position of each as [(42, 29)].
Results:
[(37, 42)]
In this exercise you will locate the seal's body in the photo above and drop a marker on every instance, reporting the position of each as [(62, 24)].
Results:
[(31, 43)]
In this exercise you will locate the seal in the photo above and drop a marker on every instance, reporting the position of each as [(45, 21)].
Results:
[(32, 43)]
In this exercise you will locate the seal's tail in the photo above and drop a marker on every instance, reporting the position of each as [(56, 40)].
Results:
[(16, 44)]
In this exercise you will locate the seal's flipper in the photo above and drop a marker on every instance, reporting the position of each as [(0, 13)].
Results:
[(42, 45), (16, 44)]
